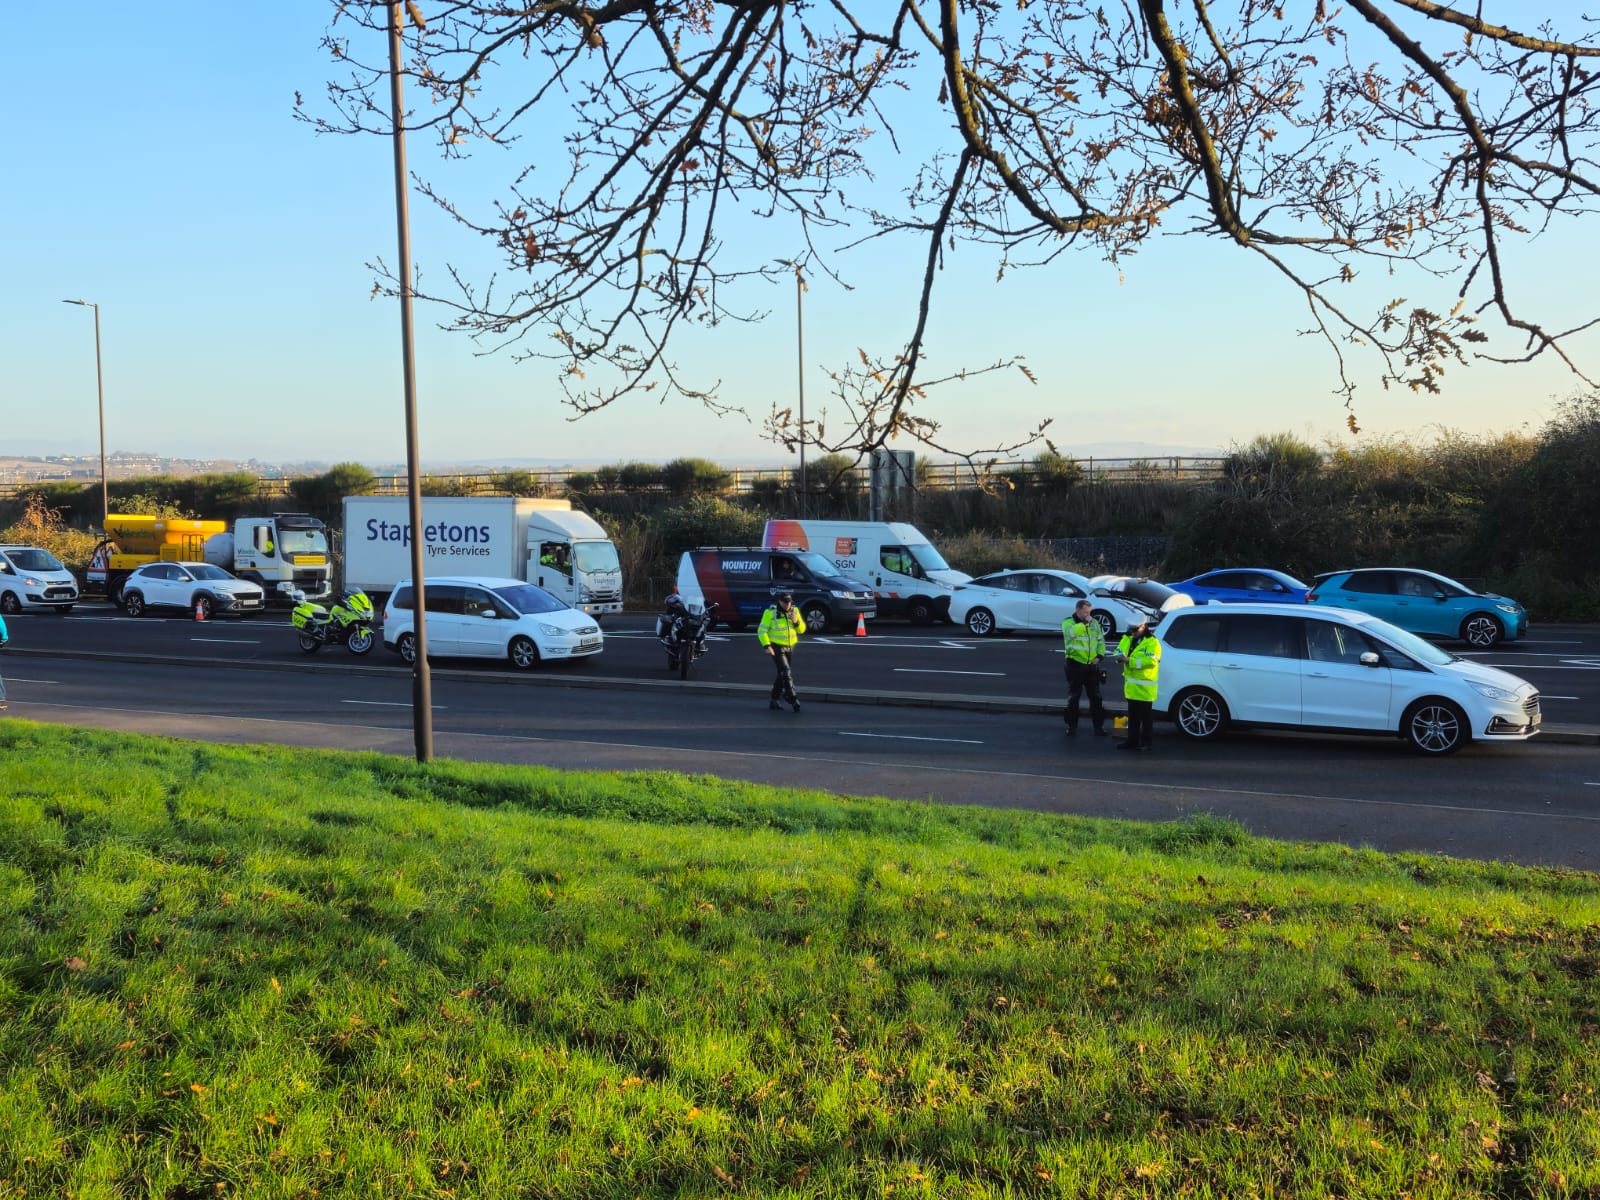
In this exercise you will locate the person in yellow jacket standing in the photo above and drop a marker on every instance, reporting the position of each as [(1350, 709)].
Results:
[(780, 628), (1140, 655), (1085, 647)]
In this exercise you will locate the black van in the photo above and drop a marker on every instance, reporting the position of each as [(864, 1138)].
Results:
[(742, 580)]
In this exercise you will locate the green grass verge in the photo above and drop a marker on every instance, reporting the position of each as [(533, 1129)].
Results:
[(271, 973)]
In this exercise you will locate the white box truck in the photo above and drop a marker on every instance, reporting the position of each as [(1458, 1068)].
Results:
[(910, 577), (542, 542)]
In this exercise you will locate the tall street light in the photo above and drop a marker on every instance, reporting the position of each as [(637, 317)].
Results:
[(800, 372), (421, 680), (100, 387)]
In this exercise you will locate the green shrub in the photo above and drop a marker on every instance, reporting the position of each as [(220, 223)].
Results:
[(693, 477), (638, 476)]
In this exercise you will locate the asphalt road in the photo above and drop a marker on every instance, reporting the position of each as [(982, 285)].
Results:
[(1526, 803), (1562, 661)]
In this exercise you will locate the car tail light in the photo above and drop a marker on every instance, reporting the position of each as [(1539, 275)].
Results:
[(1311, 597)]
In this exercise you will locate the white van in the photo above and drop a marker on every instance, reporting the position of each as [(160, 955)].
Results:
[(34, 578), (910, 577)]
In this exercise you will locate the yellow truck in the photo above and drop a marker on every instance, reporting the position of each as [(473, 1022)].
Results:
[(285, 553)]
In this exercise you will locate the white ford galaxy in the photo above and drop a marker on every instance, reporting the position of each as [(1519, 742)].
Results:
[(1334, 670), (475, 617)]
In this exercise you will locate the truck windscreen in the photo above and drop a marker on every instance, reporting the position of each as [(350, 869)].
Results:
[(302, 541), (595, 556), (928, 558)]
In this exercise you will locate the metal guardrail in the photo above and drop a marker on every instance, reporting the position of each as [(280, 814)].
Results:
[(929, 476)]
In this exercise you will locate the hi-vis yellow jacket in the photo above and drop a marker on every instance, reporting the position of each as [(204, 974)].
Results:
[(779, 630)]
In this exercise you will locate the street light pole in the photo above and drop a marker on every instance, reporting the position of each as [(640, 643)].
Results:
[(421, 680), (800, 372), (100, 389)]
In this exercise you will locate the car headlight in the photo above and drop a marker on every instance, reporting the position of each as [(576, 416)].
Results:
[(552, 630), (32, 582), (843, 595), (1508, 608), (1489, 692)]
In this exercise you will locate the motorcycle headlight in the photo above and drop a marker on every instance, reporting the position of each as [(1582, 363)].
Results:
[(1508, 608), (1489, 692), (552, 630)]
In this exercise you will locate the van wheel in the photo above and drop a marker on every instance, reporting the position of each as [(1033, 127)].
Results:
[(1107, 623), (920, 610), (133, 604), (980, 622), (1481, 630), (523, 653), (9, 604), (406, 645), (1434, 727), (816, 617), (1199, 714)]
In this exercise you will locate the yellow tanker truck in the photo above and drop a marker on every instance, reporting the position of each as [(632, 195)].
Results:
[(284, 553)]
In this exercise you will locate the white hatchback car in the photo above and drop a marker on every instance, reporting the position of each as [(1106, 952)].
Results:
[(1041, 599), (472, 616), (1331, 669), (34, 578), (197, 587)]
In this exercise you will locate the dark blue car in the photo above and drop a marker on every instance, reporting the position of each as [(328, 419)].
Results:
[(1243, 585)]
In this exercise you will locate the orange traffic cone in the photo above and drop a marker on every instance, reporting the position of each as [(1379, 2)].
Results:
[(199, 610), (861, 624)]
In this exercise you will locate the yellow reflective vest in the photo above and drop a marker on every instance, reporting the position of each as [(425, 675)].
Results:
[(1142, 663), (1085, 640), (778, 630)]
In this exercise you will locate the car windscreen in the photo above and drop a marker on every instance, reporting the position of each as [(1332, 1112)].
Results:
[(595, 556), (527, 599), (205, 571), (1146, 593), (33, 559), (928, 558), (1409, 643)]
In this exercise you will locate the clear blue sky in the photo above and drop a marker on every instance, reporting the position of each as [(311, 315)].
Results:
[(154, 167)]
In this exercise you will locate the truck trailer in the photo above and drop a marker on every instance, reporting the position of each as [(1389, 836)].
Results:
[(543, 542)]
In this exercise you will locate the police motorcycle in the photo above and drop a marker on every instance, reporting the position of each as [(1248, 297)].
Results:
[(351, 620), (683, 633)]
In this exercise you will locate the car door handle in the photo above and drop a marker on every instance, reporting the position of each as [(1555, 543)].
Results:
[(1317, 674), (1231, 666)]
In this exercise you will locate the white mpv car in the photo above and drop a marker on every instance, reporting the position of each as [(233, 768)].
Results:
[(1331, 669), (476, 617)]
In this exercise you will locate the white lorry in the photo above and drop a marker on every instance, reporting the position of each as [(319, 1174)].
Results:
[(910, 577), (543, 542)]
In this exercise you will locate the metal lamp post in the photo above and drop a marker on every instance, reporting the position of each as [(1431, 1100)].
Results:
[(100, 388)]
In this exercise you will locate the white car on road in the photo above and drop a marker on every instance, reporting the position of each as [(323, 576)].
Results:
[(1040, 600), (1293, 667), (199, 588), (472, 616)]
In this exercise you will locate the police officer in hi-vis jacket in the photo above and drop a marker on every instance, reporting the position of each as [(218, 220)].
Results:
[(780, 628), (1085, 647), (1140, 654)]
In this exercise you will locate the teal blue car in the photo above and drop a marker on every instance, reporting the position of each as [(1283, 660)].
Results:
[(1424, 603)]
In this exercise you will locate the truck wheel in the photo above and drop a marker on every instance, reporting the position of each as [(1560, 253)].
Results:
[(133, 604), (815, 614), (523, 653), (360, 640), (920, 610), (406, 646), (9, 604)]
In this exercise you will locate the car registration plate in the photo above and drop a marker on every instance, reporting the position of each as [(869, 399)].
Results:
[(589, 641)]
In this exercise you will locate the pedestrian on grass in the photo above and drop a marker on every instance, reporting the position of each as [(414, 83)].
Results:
[(1140, 655), (781, 627), (1085, 647)]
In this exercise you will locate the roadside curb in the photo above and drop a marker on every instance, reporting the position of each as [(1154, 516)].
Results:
[(1552, 733)]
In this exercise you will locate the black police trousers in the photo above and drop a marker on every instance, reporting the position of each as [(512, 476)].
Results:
[(1083, 677)]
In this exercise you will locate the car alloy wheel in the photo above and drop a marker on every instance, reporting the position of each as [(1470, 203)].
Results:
[(1435, 727), (980, 622), (1108, 625), (1199, 714), (133, 604), (9, 604), (406, 644), (1481, 630), (524, 654)]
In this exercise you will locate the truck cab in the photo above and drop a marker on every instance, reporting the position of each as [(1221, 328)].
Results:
[(570, 556), (284, 553)]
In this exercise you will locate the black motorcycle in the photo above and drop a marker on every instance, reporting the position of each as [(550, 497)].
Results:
[(683, 633)]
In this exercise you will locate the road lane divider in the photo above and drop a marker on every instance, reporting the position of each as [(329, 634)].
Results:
[(908, 737), (936, 671), (389, 703)]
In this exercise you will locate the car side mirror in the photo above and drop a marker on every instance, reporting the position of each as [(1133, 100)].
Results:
[(1278, 587), (1439, 596), (1370, 659)]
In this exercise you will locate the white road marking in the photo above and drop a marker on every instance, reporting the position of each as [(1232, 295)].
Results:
[(387, 703), (20, 679), (954, 645), (933, 671), (230, 641), (906, 737), (1591, 783)]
